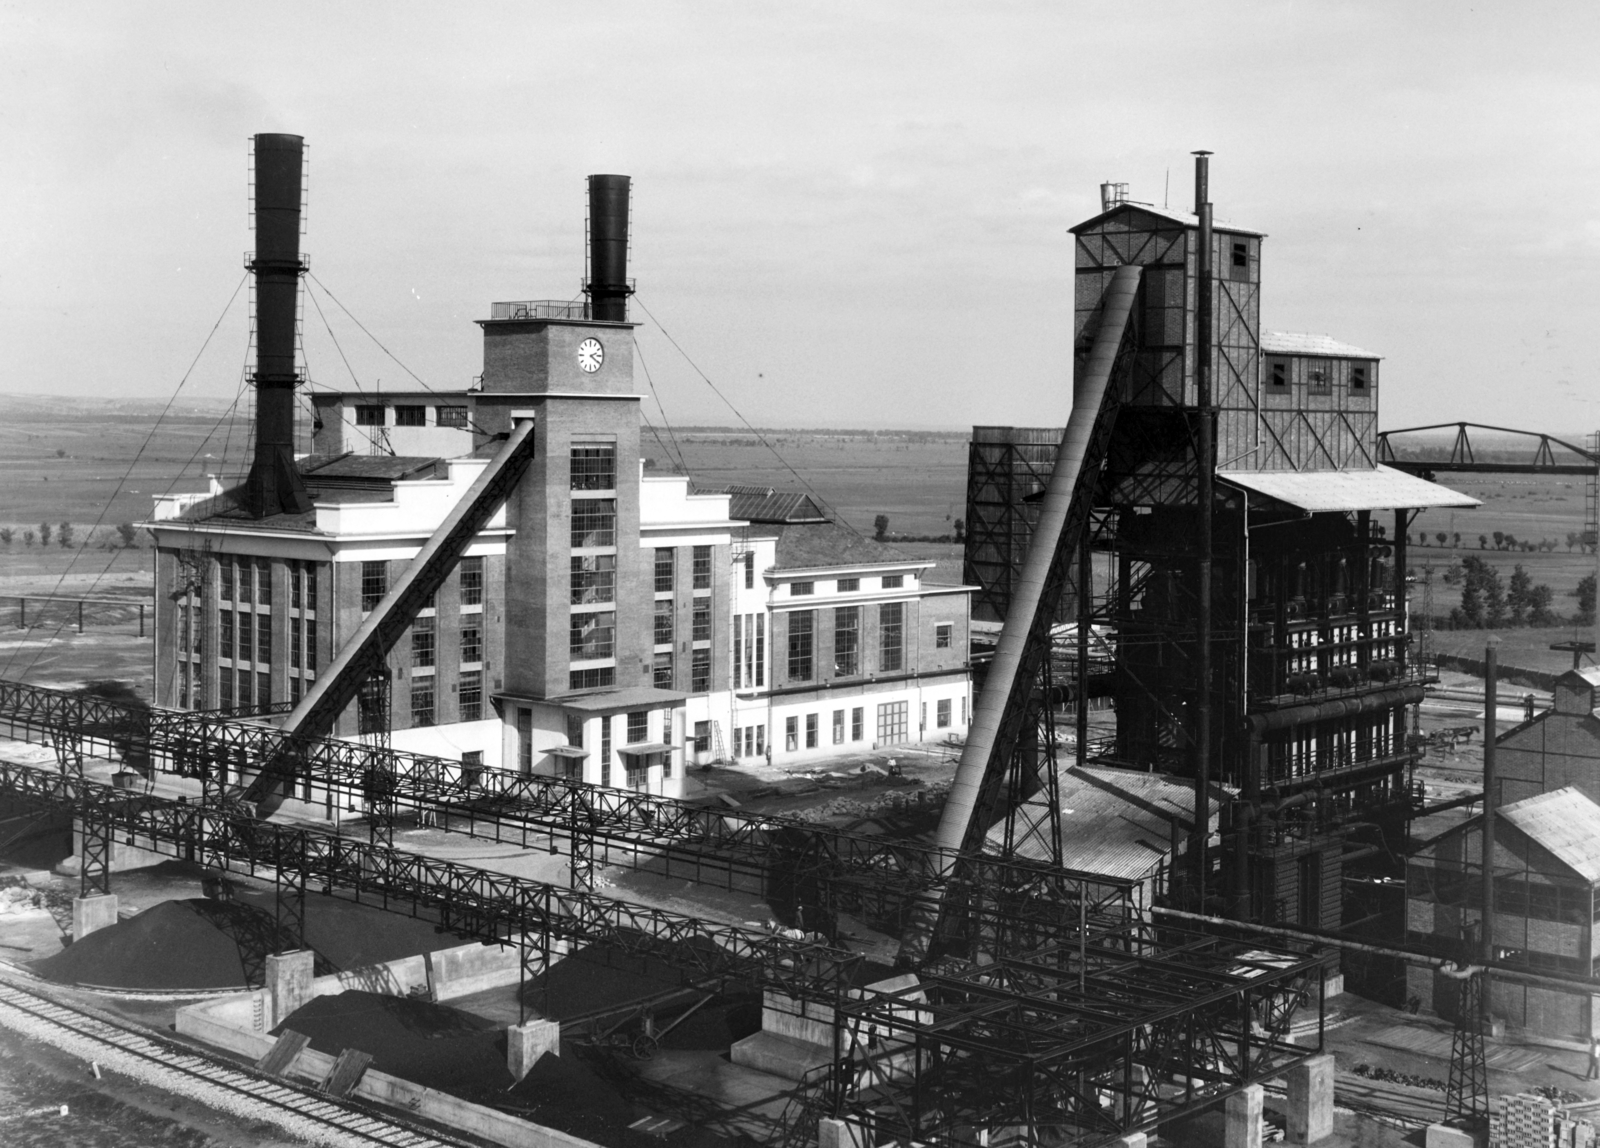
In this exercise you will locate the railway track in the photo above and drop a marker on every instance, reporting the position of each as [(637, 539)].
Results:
[(299, 1111)]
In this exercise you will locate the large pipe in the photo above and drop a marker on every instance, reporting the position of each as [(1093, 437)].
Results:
[(608, 248), (1205, 464), (274, 485)]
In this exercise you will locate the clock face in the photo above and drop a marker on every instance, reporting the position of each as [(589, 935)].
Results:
[(590, 355)]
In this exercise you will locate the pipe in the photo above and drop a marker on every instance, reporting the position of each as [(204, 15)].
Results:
[(274, 485), (1205, 464), (1262, 724), (608, 288), (1490, 691)]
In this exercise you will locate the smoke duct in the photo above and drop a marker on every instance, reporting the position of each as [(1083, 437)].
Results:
[(274, 485), (607, 287)]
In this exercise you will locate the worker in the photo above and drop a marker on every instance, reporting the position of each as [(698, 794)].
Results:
[(1527, 707), (1594, 1059)]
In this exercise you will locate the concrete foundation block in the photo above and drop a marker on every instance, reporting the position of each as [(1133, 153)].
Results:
[(1131, 1140), (526, 1043), (1449, 1136), (779, 1055), (833, 1133), (1333, 986), (1311, 1100), (289, 977), (1243, 1114), (92, 913)]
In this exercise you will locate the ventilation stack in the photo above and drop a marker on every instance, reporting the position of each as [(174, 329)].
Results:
[(274, 485), (607, 286)]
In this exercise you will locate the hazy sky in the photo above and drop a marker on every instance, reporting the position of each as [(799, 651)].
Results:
[(848, 214)]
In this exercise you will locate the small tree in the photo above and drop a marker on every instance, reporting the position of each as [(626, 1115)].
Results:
[(1483, 542), (1499, 540), (27, 538), (5, 535), (880, 527), (64, 533), (60, 453), (1585, 595), (1539, 600), (1518, 595), (127, 533), (1456, 539), (45, 531), (1572, 540), (1442, 537), (961, 530)]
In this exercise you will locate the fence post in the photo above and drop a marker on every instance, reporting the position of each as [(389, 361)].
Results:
[(80, 615), (141, 619), (22, 613)]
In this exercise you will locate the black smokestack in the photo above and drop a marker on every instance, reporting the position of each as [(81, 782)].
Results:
[(608, 287), (274, 485)]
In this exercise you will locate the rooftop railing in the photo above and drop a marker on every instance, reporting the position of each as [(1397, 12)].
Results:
[(539, 309)]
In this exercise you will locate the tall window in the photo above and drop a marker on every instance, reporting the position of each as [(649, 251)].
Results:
[(811, 731), (471, 644), (295, 643), (846, 641), (942, 634), (593, 635), (605, 750), (372, 705), (791, 734), (594, 523), (800, 668), (941, 713), (702, 567), (225, 579), (891, 637), (1358, 377), (225, 633), (838, 727), (666, 567), (311, 647), (263, 639), (374, 584), (701, 620), (661, 670), (524, 740), (471, 581), (892, 722), (594, 466), (749, 569), (594, 578), (663, 628), (243, 579), (422, 701), (469, 695), (700, 671), (422, 634), (857, 724), (638, 727), (264, 581)]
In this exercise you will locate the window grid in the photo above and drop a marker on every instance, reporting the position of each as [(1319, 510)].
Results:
[(469, 695), (892, 722), (666, 569), (471, 645), (471, 581), (663, 622), (702, 568), (410, 416), (594, 523), (594, 578), (699, 671), (846, 641), (422, 701), (800, 645), (422, 641), (700, 628), (593, 635), (891, 637), (374, 584), (594, 467), (638, 726)]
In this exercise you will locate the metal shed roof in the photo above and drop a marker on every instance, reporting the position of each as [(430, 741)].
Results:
[(1381, 488), (1296, 343), (1565, 822)]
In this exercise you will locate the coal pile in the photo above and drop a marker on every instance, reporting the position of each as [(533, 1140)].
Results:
[(192, 944), (600, 977), (565, 1093)]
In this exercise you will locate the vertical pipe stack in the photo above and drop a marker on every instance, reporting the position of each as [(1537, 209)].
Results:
[(1491, 700), (1205, 464), (608, 287), (274, 485)]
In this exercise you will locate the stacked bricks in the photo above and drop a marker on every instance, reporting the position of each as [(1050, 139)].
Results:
[(1530, 1121)]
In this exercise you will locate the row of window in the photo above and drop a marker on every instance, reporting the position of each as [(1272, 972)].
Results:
[(637, 732), (410, 415), (666, 569), (1319, 377), (246, 580), (843, 585), (892, 724), (699, 621), (846, 641), (372, 701), (375, 582)]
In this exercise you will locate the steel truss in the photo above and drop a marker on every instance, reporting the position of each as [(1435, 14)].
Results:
[(476, 904), (816, 873), (1110, 1032)]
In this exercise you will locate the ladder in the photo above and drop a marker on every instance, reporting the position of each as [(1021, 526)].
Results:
[(719, 750)]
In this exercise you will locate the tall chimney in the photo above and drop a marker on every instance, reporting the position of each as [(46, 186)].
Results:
[(608, 288), (274, 485)]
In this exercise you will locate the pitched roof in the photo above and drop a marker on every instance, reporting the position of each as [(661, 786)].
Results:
[(767, 505), (820, 545), (1298, 343), (1566, 823), (1381, 488), (1182, 218)]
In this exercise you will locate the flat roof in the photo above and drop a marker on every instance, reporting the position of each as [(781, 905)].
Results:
[(1298, 343), (1381, 488), (598, 701)]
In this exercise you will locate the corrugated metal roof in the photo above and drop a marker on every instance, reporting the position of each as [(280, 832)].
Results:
[(767, 504), (1564, 821), (1179, 217), (1381, 488), (1115, 823), (1298, 343)]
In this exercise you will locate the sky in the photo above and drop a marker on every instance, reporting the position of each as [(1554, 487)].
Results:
[(844, 214)]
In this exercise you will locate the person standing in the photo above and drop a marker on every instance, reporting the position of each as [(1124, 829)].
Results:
[(1594, 1059)]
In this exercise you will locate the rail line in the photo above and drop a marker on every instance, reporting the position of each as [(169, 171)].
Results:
[(299, 1111)]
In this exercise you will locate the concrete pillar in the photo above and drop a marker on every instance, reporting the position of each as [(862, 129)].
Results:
[(1311, 1100), (526, 1043), (288, 982), (1131, 1140), (91, 913), (1243, 1118), (834, 1133)]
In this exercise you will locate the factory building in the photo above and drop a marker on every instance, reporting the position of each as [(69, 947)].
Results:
[(607, 623), (1282, 693)]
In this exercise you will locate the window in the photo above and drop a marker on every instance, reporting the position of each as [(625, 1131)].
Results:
[(575, 730), (311, 647), (593, 635), (1317, 379), (798, 588), (637, 770), (594, 467), (263, 581), (243, 579), (893, 581), (471, 644), (524, 740), (422, 634), (800, 645), (848, 584), (1358, 377), (225, 579), (263, 689), (791, 734), (838, 727), (892, 722), (666, 566), (663, 621), (369, 416), (749, 569), (409, 416), (941, 713), (471, 767), (263, 639), (309, 569), (225, 633), (422, 701), (294, 643), (891, 637), (594, 523), (661, 670), (701, 620), (469, 695), (451, 416), (295, 685), (372, 705), (594, 678), (296, 584), (605, 750), (942, 633), (225, 689), (1278, 374), (1239, 261), (811, 731), (702, 737), (702, 567), (638, 727), (471, 581), (846, 641), (761, 650), (594, 578), (699, 671), (374, 584)]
